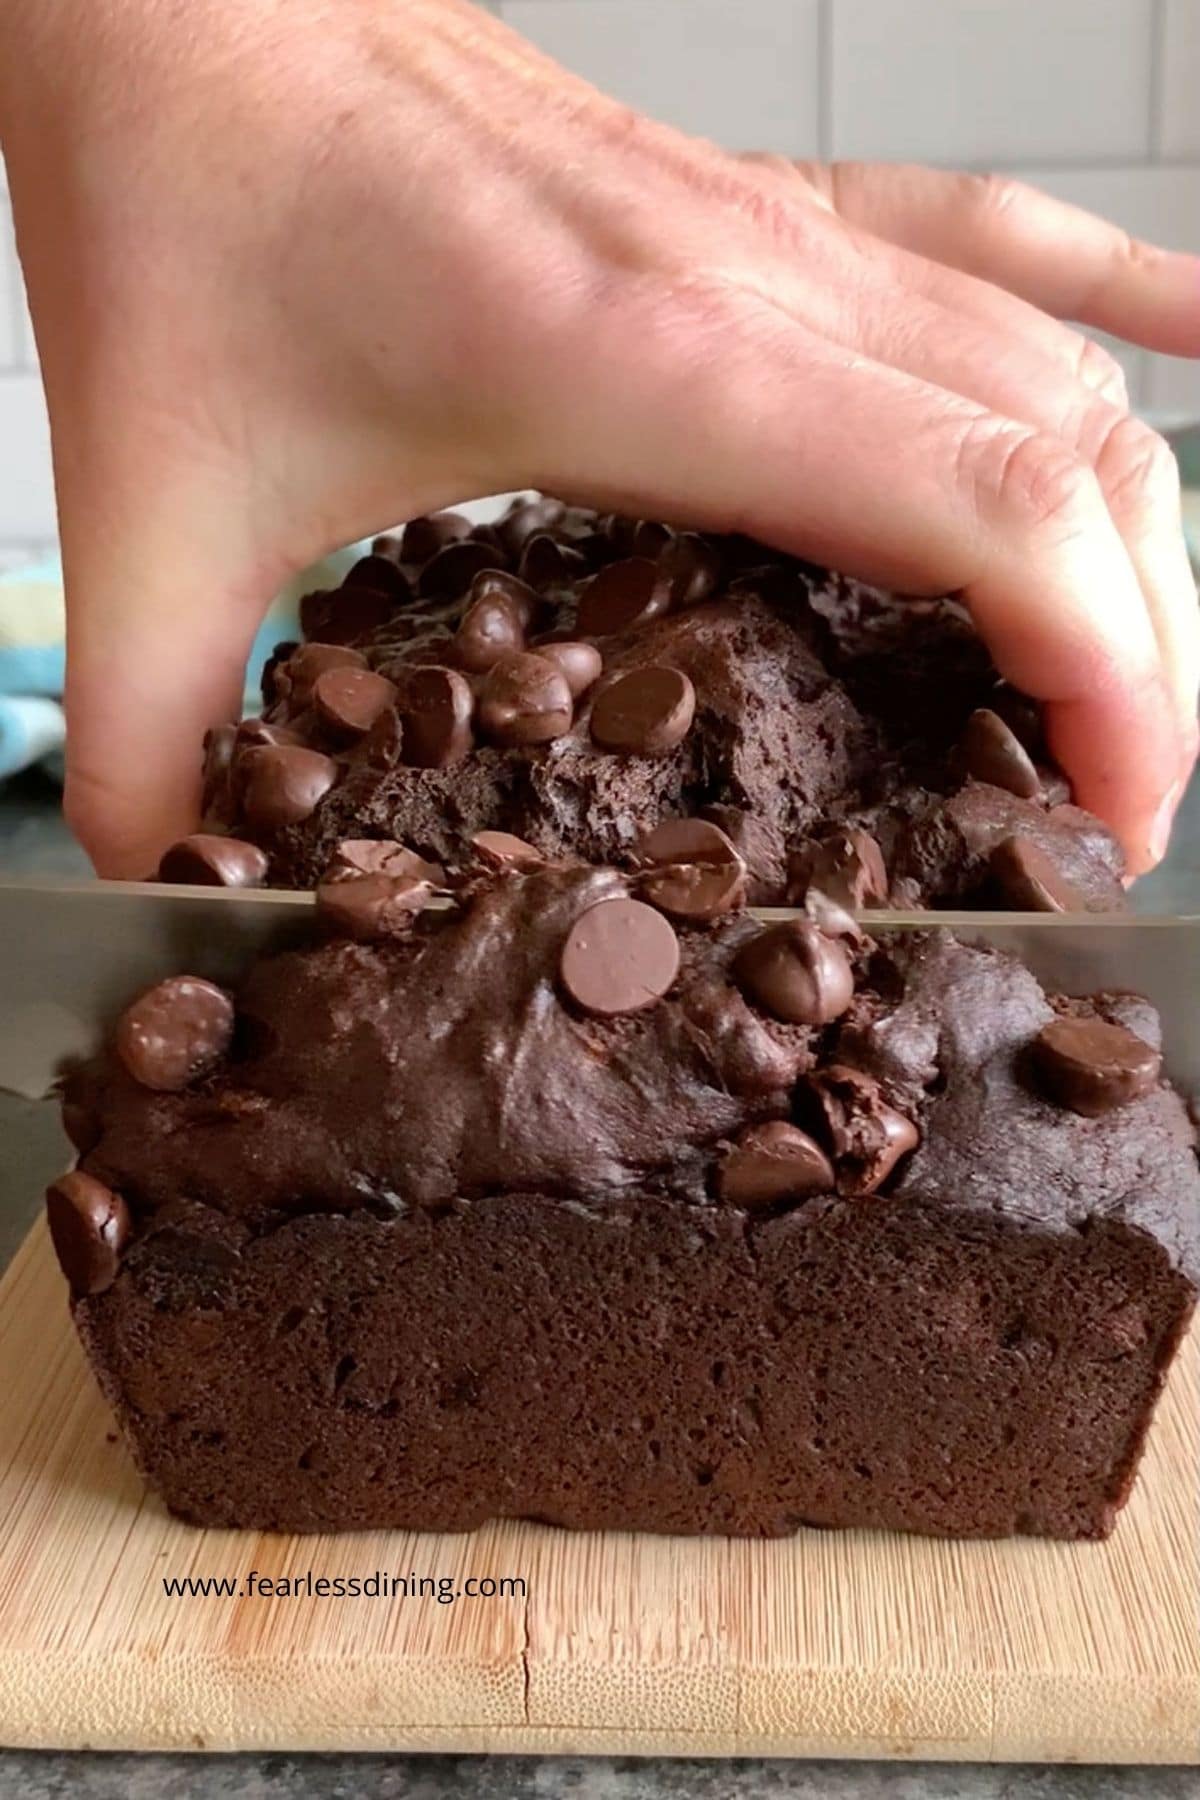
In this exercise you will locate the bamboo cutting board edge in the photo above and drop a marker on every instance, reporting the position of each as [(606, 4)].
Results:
[(827, 1644)]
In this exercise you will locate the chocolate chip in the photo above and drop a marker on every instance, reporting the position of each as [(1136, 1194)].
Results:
[(692, 568), (625, 594), (686, 841), (796, 973), (216, 797), (547, 563), (381, 573), (282, 784), (340, 615), (501, 850), (994, 753), (525, 700), (579, 664), (296, 678), (380, 750), (424, 537), (868, 1136), (847, 867), (348, 701), (89, 1228), (367, 907), (500, 584), (1030, 881), (772, 1163), (435, 707), (1092, 1067), (454, 568), (355, 857), (646, 712), (206, 860), (279, 655), (699, 875), (388, 544), (175, 1033), (257, 734), (526, 519), (650, 538), (489, 629), (618, 957)]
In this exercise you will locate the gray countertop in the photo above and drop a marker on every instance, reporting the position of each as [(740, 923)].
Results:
[(33, 841)]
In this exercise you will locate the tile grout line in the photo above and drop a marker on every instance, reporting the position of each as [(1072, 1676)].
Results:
[(1158, 77), (825, 80)]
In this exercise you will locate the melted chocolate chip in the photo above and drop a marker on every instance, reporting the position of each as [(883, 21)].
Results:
[(296, 678), (578, 663), (501, 850), (619, 956), (206, 860), (1030, 880), (692, 568), (498, 584), (490, 628), (525, 700), (773, 1163), (348, 701), (454, 568), (89, 1228), (847, 867), (354, 857), (175, 1033), (282, 784), (625, 594), (796, 973), (868, 1136), (435, 707), (694, 871), (1092, 1067), (995, 754), (646, 712), (367, 907)]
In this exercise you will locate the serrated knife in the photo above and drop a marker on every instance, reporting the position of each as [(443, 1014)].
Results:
[(73, 954)]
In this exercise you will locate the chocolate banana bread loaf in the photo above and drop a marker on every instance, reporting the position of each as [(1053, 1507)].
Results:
[(579, 680), (587, 1196)]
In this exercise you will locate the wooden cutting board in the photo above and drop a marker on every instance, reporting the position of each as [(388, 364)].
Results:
[(843, 1644)]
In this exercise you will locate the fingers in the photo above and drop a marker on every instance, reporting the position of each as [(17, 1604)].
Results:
[(1134, 466), (1061, 258), (157, 639), (755, 423)]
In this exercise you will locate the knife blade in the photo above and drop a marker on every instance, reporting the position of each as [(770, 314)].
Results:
[(72, 955)]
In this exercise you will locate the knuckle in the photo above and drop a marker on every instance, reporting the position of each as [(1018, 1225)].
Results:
[(1031, 477), (992, 193), (1137, 466), (1099, 369)]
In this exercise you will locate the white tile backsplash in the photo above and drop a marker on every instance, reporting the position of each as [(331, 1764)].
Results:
[(745, 72), (1097, 100), (985, 81), (1179, 126)]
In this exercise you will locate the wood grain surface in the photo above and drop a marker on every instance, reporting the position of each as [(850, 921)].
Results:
[(844, 1644)]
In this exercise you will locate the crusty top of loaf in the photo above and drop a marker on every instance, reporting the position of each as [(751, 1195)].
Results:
[(448, 1063)]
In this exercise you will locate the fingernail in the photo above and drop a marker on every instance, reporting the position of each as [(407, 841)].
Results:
[(1164, 818)]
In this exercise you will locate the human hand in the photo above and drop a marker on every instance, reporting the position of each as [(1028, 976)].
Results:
[(297, 272)]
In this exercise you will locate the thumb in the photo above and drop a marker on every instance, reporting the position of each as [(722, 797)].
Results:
[(162, 608)]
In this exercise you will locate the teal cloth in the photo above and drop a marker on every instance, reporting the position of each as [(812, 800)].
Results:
[(32, 726)]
